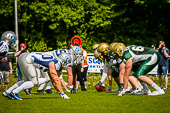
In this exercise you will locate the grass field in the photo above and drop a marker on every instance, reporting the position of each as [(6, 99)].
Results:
[(90, 101)]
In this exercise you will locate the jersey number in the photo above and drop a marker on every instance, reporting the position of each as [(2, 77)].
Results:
[(138, 48), (58, 52), (47, 57)]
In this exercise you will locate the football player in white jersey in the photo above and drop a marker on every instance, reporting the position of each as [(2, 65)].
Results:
[(74, 53), (8, 39), (28, 64)]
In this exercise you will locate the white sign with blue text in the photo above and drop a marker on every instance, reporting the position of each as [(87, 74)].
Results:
[(94, 65)]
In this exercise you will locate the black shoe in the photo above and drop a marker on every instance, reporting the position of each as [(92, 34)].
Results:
[(84, 89), (49, 91), (27, 91), (72, 91), (8, 95), (30, 90), (40, 91)]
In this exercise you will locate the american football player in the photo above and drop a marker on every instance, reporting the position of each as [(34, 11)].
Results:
[(8, 39), (74, 52), (114, 72), (28, 64), (133, 54)]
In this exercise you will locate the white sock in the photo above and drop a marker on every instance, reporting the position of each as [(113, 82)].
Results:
[(140, 85), (14, 86), (49, 85), (71, 86), (104, 75), (66, 83), (145, 86), (155, 86), (42, 86), (25, 85)]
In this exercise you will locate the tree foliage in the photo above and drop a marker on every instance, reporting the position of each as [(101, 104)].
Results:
[(50, 24)]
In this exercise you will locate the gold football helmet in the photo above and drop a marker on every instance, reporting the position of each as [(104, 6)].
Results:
[(98, 55), (95, 46), (119, 49), (103, 48), (112, 45)]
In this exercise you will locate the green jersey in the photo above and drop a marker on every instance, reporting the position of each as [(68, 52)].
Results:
[(137, 53)]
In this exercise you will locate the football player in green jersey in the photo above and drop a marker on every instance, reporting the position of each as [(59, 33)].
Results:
[(133, 54), (106, 56)]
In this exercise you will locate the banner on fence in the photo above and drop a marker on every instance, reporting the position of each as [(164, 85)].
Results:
[(94, 65)]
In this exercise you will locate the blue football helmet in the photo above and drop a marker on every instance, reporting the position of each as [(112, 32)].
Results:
[(76, 52), (65, 59), (10, 38)]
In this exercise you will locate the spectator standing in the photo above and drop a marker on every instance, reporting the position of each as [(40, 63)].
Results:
[(5, 70), (85, 67), (163, 64)]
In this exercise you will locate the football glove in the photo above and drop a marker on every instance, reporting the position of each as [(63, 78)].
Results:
[(98, 84)]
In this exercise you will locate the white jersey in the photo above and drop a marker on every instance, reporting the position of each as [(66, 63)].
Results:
[(56, 53), (4, 49), (44, 60)]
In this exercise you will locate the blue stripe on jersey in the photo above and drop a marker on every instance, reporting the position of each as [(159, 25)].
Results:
[(43, 63)]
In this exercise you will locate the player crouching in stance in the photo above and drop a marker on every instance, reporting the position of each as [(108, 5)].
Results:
[(28, 64), (133, 54)]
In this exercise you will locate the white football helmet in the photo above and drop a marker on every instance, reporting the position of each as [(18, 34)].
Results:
[(3, 49), (65, 59), (10, 38), (76, 52)]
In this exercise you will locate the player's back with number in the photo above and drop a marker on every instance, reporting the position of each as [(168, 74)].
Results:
[(44, 59), (138, 53)]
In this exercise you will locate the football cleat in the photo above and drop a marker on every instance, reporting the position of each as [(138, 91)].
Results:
[(41, 91), (121, 93), (27, 92), (128, 89), (109, 88), (5, 94), (72, 91), (159, 92), (16, 96), (165, 88), (48, 91), (136, 90)]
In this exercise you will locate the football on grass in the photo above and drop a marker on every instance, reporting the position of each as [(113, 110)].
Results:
[(100, 88)]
